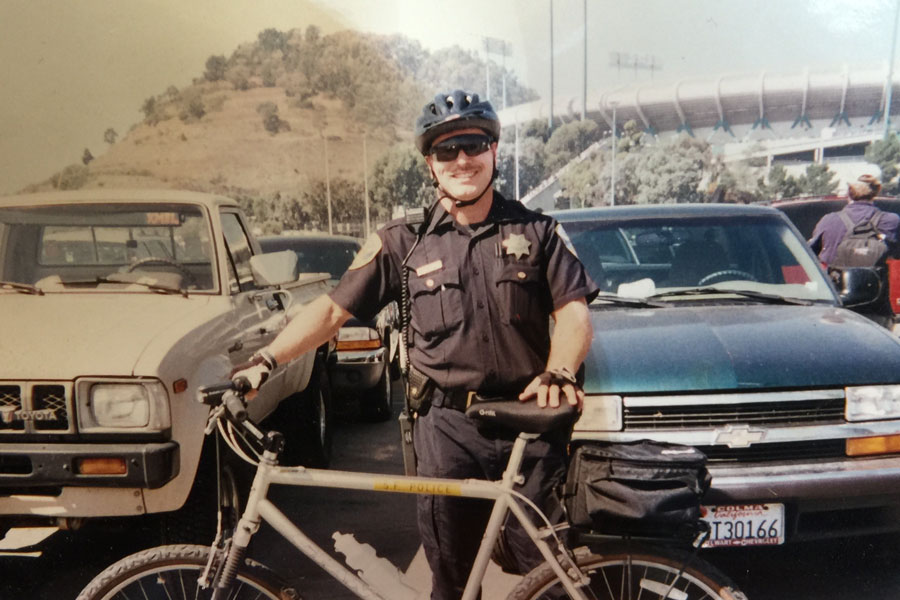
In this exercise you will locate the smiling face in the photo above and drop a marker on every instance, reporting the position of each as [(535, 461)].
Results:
[(465, 177)]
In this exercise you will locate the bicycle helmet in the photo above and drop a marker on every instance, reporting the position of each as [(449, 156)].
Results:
[(454, 110)]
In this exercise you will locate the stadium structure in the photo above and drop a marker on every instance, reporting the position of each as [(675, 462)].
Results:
[(792, 119)]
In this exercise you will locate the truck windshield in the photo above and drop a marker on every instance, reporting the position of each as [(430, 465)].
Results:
[(114, 245), (643, 258)]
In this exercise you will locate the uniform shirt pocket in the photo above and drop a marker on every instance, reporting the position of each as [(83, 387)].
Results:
[(437, 301), (519, 293)]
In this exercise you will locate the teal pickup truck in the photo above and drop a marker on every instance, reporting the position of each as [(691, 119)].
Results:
[(716, 327)]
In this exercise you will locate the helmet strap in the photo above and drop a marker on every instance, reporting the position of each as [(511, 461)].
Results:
[(456, 201)]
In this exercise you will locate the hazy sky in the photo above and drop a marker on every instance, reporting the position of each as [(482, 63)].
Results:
[(73, 68)]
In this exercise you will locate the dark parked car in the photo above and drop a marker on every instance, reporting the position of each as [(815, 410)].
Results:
[(717, 327), (804, 213), (360, 369)]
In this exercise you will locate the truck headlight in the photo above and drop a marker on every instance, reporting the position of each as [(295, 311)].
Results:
[(872, 402), (105, 405), (600, 413)]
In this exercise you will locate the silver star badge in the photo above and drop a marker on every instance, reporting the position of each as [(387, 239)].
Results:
[(517, 245)]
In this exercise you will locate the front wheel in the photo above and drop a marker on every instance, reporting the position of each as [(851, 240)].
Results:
[(173, 572), (630, 572)]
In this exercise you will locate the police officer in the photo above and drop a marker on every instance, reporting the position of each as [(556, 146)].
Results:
[(484, 276)]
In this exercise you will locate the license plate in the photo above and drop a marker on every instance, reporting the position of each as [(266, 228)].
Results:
[(745, 525)]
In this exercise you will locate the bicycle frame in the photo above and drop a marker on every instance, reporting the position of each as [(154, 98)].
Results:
[(259, 508)]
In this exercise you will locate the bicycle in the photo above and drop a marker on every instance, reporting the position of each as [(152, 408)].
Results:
[(617, 570)]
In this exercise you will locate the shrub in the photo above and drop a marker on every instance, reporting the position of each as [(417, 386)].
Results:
[(72, 177), (274, 124), (215, 68)]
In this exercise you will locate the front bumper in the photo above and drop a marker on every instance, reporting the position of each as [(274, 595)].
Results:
[(24, 466), (822, 500), (357, 370)]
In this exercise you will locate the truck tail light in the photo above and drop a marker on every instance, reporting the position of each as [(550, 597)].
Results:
[(867, 446), (358, 338)]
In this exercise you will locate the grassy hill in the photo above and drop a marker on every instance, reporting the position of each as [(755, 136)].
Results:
[(255, 125)]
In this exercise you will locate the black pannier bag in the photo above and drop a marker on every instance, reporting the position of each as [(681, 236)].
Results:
[(640, 488)]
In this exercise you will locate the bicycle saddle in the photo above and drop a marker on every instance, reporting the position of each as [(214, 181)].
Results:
[(525, 417)]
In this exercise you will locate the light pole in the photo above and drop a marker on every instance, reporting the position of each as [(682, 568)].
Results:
[(615, 136), (550, 117), (584, 75), (327, 185), (518, 196), (366, 186), (890, 82)]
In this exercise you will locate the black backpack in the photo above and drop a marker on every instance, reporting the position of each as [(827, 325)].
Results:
[(863, 245)]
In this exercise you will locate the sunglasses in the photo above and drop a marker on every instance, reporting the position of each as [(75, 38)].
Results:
[(471, 144)]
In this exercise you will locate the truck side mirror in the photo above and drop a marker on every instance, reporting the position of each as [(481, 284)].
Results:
[(857, 285), (274, 268)]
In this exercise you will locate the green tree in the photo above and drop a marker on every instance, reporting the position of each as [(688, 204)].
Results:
[(666, 173), (780, 184), (532, 169), (400, 178), (271, 40), (818, 181), (568, 141), (215, 68), (886, 154), (587, 183), (346, 202)]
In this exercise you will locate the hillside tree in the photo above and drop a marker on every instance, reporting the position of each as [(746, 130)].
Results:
[(400, 178), (215, 68), (886, 154)]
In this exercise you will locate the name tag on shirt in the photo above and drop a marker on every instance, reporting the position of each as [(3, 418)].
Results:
[(429, 268)]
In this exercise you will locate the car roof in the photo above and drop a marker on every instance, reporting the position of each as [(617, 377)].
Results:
[(94, 196), (674, 211)]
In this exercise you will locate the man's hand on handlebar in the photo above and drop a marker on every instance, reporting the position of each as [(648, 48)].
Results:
[(547, 386), (255, 372)]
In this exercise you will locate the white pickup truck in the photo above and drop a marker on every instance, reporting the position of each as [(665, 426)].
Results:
[(115, 306)]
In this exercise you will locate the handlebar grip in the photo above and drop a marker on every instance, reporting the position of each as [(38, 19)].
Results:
[(241, 385), (234, 404), (212, 394)]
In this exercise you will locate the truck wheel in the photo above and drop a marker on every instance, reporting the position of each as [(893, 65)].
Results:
[(195, 522), (306, 420), (377, 404)]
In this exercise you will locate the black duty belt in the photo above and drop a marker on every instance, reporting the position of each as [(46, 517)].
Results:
[(460, 399)]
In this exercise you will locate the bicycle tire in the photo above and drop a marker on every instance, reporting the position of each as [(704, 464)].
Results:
[(626, 572), (171, 573)]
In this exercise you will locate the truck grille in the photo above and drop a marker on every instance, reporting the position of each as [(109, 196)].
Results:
[(35, 407), (770, 409), (782, 452)]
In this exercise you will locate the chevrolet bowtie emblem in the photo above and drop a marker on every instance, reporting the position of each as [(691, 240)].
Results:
[(517, 245), (738, 436)]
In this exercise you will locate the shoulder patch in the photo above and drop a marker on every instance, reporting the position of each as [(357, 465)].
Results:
[(367, 253), (565, 239)]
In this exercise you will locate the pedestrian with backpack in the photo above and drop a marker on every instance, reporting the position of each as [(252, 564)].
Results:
[(860, 235)]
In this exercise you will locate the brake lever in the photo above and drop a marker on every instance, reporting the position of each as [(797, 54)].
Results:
[(214, 416)]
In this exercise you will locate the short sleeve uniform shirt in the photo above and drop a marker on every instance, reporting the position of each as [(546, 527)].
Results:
[(481, 295)]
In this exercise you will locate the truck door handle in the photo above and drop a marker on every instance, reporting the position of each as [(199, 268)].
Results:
[(236, 346)]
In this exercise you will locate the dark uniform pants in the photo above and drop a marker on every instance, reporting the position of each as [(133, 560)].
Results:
[(448, 444)]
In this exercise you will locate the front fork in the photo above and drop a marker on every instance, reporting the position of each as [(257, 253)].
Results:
[(227, 552)]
